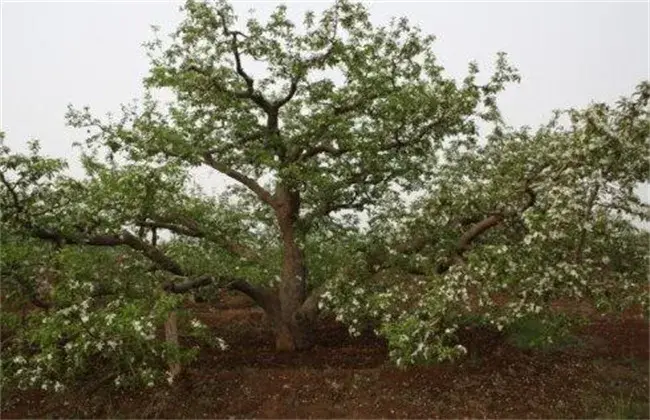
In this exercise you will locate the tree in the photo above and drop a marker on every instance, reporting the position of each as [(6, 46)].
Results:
[(345, 111), (526, 216), (346, 117)]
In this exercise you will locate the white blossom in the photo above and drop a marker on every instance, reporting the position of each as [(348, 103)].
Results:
[(461, 349)]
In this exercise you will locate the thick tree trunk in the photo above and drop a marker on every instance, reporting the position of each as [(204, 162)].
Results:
[(293, 321), (293, 325), (293, 336)]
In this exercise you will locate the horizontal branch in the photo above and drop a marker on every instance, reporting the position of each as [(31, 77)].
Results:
[(172, 227), (188, 285), (477, 230), (327, 208), (189, 227), (161, 260), (261, 296), (62, 238)]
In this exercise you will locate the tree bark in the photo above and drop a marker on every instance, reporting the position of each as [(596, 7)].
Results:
[(293, 331), (171, 337), (293, 326)]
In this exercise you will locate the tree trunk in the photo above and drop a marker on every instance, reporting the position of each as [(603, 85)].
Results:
[(171, 337), (294, 332), (293, 336), (293, 326)]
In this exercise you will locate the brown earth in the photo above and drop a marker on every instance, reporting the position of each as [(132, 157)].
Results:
[(606, 375)]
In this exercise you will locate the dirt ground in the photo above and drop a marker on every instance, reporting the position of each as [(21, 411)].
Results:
[(605, 376)]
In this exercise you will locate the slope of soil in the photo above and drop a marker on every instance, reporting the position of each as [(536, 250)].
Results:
[(605, 376)]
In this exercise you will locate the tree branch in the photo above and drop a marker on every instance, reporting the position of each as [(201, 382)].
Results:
[(478, 229), (336, 111), (188, 285), (293, 88), (256, 97), (261, 296), (189, 227), (321, 148), (263, 194), (126, 238), (327, 208), (153, 253), (219, 87), (172, 227), (316, 60)]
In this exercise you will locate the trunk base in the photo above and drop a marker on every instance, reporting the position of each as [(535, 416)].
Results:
[(293, 337)]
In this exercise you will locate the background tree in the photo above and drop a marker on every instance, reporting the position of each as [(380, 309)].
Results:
[(529, 217)]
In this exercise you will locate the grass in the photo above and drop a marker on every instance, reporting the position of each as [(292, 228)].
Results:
[(623, 389), (619, 406), (549, 333)]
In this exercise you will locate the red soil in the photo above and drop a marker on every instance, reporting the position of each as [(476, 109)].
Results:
[(345, 377)]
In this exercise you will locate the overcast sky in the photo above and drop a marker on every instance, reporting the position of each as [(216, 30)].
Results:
[(90, 53)]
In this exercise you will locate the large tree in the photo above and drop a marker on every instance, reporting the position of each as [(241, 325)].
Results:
[(316, 123), (508, 227), (341, 112)]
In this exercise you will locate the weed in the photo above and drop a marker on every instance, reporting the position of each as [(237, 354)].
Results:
[(547, 333), (622, 407)]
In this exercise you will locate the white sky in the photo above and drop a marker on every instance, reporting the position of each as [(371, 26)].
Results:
[(89, 53)]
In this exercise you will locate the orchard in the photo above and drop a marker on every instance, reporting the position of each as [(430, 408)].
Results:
[(365, 185)]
